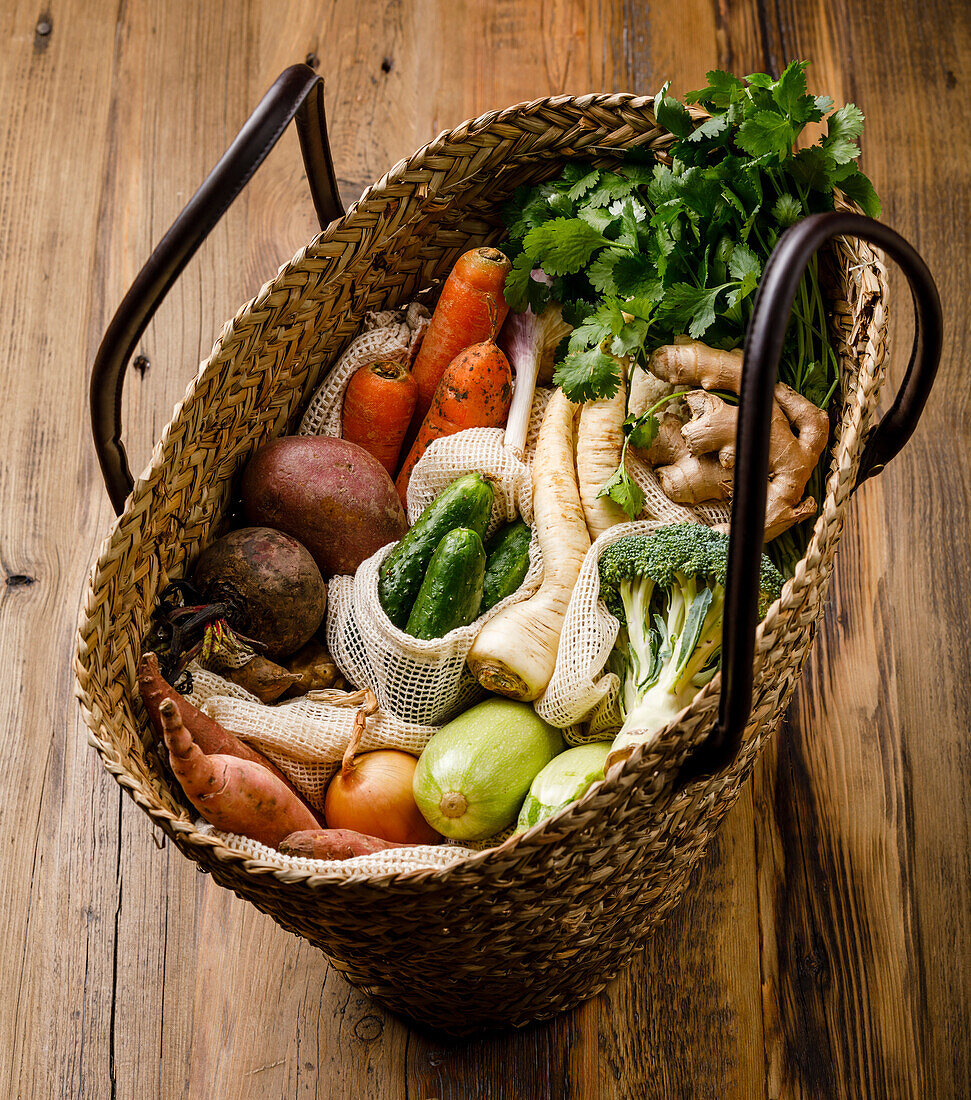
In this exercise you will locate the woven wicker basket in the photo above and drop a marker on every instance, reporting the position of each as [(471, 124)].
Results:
[(530, 928)]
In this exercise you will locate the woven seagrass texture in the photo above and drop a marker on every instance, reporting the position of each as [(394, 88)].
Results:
[(545, 920)]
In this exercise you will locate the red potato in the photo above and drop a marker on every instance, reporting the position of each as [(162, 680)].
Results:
[(333, 844), (328, 493), (234, 795)]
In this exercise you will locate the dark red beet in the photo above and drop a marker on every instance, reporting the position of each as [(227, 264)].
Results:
[(329, 493), (271, 583)]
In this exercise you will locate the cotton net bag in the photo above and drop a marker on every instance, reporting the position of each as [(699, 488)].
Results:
[(582, 692)]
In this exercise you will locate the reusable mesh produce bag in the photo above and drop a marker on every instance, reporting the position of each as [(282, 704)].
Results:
[(305, 738), (417, 680), (581, 689)]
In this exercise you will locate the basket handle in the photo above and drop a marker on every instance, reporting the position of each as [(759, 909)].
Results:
[(297, 93), (763, 347)]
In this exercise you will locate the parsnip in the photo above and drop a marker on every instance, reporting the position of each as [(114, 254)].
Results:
[(514, 653), (599, 442)]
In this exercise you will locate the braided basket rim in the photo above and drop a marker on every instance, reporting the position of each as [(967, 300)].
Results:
[(645, 768)]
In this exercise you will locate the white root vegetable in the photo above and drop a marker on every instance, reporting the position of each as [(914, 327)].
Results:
[(528, 342), (646, 389), (514, 653), (600, 439)]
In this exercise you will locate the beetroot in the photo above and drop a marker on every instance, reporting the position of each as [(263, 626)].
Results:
[(329, 493), (272, 589)]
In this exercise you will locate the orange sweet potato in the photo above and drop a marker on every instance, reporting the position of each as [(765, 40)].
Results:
[(333, 844), (237, 796), (207, 733)]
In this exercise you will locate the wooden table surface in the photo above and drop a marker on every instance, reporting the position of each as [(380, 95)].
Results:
[(824, 949)]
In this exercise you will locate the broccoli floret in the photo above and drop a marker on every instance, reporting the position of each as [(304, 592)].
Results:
[(668, 591)]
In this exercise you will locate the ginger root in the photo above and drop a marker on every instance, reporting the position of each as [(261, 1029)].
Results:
[(685, 478), (687, 456)]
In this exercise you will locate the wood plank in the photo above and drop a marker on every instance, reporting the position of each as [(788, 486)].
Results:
[(863, 851), (58, 820)]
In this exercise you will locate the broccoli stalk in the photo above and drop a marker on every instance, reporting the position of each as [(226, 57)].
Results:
[(668, 591)]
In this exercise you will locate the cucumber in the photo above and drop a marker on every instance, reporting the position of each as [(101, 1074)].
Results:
[(474, 773), (467, 502), (451, 592), (507, 563), (564, 779)]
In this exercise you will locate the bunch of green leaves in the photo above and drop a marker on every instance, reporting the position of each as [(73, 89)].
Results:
[(655, 249)]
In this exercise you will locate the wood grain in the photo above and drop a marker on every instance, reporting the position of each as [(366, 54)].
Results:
[(825, 948)]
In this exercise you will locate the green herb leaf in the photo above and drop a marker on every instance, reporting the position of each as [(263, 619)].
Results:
[(601, 271), (610, 188), (623, 490), (517, 283), (690, 308), (582, 183), (641, 430), (858, 188), (723, 89), (787, 210), (766, 134), (670, 114), (587, 375), (563, 245)]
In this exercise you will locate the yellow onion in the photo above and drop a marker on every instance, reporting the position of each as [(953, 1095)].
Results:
[(372, 794)]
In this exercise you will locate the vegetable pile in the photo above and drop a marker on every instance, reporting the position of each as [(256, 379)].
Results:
[(626, 285), (651, 251)]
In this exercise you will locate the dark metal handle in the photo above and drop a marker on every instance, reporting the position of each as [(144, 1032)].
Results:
[(763, 347), (298, 92)]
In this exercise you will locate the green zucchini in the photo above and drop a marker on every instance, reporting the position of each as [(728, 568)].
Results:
[(564, 779), (474, 773), (451, 592), (507, 563), (467, 502)]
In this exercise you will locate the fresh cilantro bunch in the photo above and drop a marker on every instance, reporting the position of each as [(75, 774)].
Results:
[(658, 248), (648, 251)]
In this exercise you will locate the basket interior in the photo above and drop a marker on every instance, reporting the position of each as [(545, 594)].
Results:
[(397, 241)]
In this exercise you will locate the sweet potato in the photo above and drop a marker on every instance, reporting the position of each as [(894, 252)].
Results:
[(207, 733), (333, 844), (237, 796), (333, 496)]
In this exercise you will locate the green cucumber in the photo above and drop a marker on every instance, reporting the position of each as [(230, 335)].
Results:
[(467, 502), (564, 779), (507, 563), (475, 772), (451, 592)]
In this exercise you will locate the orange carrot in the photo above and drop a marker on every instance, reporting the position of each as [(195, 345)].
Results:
[(378, 406), (471, 308), (474, 392)]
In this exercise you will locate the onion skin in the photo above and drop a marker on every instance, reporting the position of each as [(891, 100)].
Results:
[(372, 794)]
